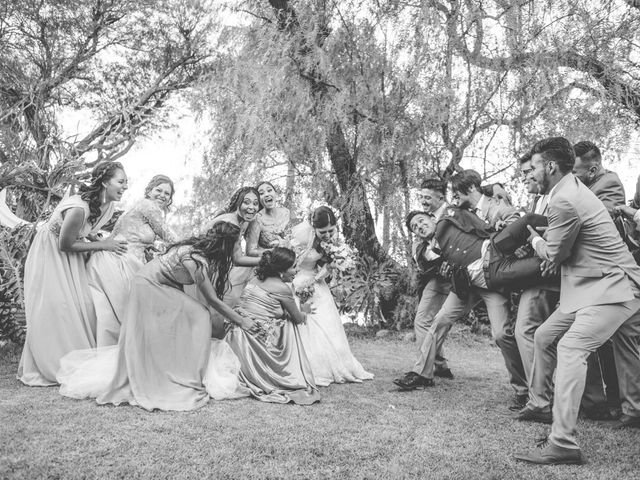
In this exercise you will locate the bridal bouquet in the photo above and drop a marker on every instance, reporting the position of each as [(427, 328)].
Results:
[(339, 255)]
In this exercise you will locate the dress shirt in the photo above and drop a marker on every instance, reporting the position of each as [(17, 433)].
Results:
[(541, 204), (537, 240), (476, 268)]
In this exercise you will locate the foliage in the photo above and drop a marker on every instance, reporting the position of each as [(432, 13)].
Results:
[(111, 64), (14, 246), (359, 100), (358, 290)]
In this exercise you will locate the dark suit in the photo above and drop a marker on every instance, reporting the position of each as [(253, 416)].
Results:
[(451, 232), (598, 298)]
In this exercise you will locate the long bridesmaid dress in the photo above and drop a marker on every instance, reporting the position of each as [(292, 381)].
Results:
[(274, 366), (164, 349), (110, 274), (58, 306)]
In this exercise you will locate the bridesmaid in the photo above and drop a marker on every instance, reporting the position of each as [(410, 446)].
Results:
[(241, 211), (324, 338), (271, 227), (58, 306), (110, 274), (273, 363), (165, 341)]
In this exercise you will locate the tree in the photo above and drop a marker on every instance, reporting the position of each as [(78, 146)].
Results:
[(360, 99), (116, 61)]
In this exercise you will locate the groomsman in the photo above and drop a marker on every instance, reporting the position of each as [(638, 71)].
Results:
[(469, 253), (606, 185), (536, 303), (596, 403), (468, 193), (432, 197), (599, 296)]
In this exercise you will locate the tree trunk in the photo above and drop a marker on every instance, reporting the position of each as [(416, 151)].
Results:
[(357, 221)]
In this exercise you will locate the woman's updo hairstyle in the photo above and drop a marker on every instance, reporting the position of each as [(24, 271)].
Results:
[(266, 182), (274, 262), (238, 197), (92, 193), (159, 180), (323, 217)]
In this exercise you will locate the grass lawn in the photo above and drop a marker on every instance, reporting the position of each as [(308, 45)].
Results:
[(459, 429)]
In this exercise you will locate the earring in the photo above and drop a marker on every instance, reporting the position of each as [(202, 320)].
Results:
[(104, 196)]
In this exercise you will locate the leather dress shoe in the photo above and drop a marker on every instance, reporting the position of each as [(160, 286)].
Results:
[(549, 453), (627, 421), (412, 381), (519, 402), (530, 415), (444, 373)]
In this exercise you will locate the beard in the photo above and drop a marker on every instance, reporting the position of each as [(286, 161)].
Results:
[(543, 184)]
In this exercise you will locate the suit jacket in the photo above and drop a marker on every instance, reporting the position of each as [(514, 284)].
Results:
[(608, 188), (582, 238)]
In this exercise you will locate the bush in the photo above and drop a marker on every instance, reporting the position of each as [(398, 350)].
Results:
[(14, 246)]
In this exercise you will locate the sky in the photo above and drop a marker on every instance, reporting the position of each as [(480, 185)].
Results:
[(177, 152)]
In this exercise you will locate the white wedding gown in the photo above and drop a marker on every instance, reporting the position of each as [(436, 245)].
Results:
[(323, 335)]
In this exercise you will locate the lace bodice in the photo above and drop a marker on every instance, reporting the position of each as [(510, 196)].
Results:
[(310, 260), (54, 223), (268, 229), (140, 226), (302, 237)]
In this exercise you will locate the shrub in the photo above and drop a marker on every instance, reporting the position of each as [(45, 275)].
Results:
[(14, 246)]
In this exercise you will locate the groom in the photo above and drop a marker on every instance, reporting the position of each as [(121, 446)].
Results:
[(599, 297)]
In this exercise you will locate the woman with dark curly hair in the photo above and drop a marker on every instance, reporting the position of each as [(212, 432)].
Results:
[(241, 211), (161, 358), (273, 363), (58, 306), (110, 274)]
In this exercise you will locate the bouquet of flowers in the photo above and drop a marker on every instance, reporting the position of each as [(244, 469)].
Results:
[(304, 293), (339, 255)]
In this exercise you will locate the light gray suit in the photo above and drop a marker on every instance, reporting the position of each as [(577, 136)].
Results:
[(599, 289), (601, 364)]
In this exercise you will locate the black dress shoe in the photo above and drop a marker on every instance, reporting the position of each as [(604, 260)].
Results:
[(444, 373), (530, 415), (414, 382), (519, 402), (627, 421), (599, 413), (407, 377)]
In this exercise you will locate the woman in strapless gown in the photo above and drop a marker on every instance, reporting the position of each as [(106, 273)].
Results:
[(110, 274), (323, 337), (274, 365), (165, 346)]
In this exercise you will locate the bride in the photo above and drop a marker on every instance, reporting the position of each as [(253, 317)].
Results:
[(323, 337)]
